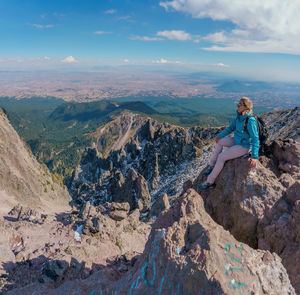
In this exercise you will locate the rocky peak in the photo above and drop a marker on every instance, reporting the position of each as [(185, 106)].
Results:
[(22, 179), (283, 124)]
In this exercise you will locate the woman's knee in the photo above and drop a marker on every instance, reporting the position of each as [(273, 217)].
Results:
[(221, 158), (226, 141)]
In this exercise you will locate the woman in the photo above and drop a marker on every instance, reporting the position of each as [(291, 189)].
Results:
[(241, 144)]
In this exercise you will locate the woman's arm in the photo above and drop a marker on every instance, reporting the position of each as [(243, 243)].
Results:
[(228, 130), (252, 128)]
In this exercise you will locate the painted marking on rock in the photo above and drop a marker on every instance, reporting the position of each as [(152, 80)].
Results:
[(144, 269), (233, 284), (237, 258), (137, 282), (143, 273), (230, 246), (162, 281), (229, 268), (131, 288)]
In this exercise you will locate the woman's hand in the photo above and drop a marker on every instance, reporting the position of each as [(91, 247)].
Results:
[(252, 162), (217, 139)]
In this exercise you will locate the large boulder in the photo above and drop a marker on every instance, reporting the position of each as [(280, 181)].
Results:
[(242, 198), (260, 206)]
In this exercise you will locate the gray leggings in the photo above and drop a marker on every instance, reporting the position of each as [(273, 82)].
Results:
[(219, 158)]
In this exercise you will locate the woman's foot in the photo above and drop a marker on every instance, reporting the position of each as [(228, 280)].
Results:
[(206, 185), (208, 170)]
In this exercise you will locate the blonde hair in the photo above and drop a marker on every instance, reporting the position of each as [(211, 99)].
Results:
[(247, 102)]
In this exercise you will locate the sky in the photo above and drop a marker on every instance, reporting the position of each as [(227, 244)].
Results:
[(259, 39)]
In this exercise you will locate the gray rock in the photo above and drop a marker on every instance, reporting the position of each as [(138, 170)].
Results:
[(160, 204), (118, 215), (134, 191), (293, 192), (120, 206), (93, 226)]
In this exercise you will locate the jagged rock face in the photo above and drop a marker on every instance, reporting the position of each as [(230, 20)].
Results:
[(188, 253), (283, 124), (22, 179), (260, 207), (134, 191), (163, 157)]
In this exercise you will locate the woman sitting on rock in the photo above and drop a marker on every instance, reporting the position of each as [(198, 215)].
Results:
[(243, 142)]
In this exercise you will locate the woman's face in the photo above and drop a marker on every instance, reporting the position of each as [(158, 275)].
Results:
[(241, 107)]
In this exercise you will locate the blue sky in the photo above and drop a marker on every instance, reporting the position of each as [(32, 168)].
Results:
[(259, 39)]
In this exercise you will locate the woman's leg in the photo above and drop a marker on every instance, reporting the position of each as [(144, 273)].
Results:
[(225, 141), (231, 153)]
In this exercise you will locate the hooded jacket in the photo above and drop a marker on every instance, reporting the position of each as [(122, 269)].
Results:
[(248, 139)]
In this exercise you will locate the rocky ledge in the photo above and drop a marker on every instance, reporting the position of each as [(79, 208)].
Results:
[(261, 207), (188, 253)]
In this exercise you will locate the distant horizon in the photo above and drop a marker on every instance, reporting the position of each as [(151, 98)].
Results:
[(215, 75)]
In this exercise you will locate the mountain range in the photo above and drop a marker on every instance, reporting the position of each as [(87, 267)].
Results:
[(130, 219)]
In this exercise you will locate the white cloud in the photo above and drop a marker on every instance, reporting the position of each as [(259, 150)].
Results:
[(218, 37), (220, 64), (126, 60), (165, 61), (59, 14), (171, 35), (126, 18), (110, 11), (42, 26), (235, 44), (145, 38), (259, 24), (47, 58), (175, 35), (101, 32), (69, 59), (160, 61)]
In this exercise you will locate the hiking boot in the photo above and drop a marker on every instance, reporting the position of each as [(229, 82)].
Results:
[(208, 170), (206, 185)]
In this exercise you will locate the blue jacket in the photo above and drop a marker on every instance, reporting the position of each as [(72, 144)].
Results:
[(248, 139)]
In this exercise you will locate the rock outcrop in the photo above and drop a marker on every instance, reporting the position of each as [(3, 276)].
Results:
[(283, 124), (260, 207), (135, 191), (22, 179), (188, 253), (160, 204)]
